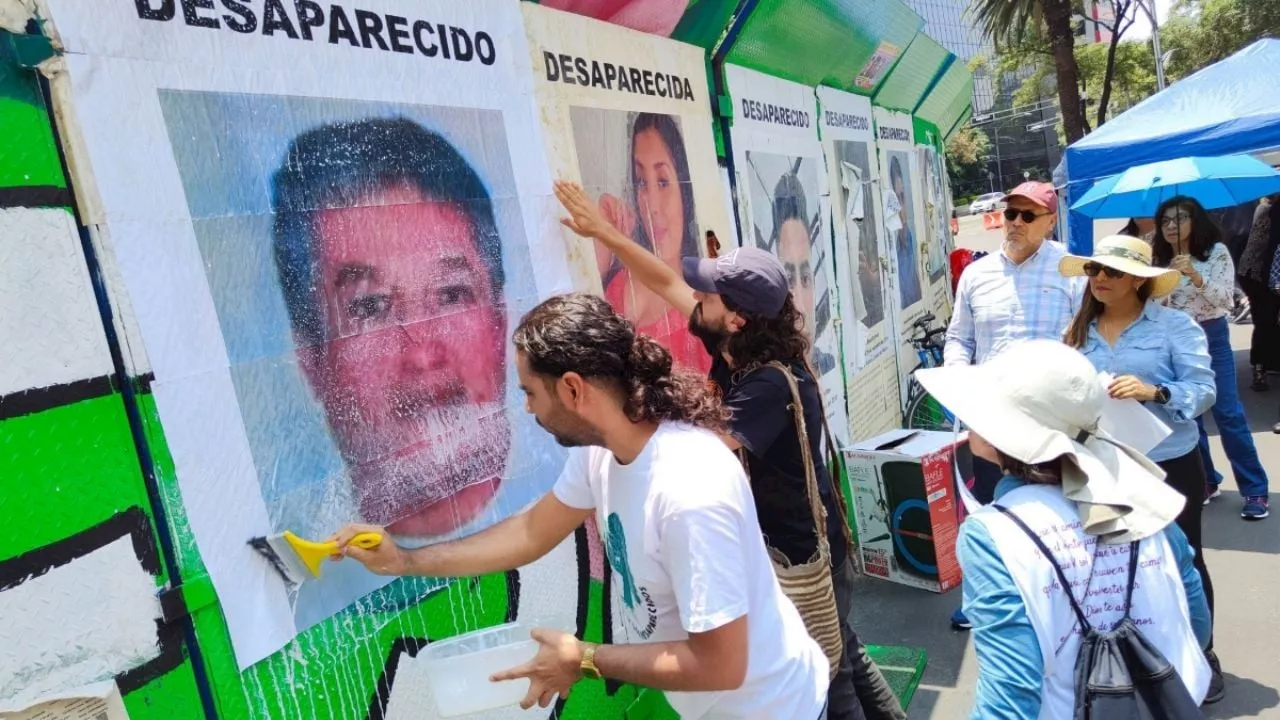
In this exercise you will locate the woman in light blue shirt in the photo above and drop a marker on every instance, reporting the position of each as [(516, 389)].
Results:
[(1157, 356)]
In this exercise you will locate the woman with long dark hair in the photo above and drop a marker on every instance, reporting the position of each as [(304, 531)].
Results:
[(1187, 240), (1157, 356), (660, 217)]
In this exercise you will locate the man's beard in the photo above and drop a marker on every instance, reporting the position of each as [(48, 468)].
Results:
[(699, 328), (581, 434), (449, 449)]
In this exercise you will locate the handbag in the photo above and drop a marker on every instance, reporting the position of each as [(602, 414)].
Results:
[(1119, 674), (808, 585)]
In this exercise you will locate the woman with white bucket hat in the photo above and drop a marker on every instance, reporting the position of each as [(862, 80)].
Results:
[(1158, 356), (1085, 497)]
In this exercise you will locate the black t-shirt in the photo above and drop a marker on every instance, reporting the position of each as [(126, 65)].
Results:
[(763, 422)]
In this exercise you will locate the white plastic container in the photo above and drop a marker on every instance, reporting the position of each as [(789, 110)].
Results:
[(459, 669)]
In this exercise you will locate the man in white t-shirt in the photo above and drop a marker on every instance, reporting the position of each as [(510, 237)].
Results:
[(702, 614)]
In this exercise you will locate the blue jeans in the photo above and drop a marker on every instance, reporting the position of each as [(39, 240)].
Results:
[(1228, 413)]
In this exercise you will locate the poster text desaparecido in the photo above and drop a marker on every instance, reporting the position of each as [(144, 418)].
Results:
[(312, 21)]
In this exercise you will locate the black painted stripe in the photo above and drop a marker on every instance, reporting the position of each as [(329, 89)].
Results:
[(29, 402), (36, 196), (134, 524)]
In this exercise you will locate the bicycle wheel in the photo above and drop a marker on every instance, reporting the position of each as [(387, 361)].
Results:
[(926, 413)]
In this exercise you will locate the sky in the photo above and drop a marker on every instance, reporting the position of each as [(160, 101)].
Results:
[(1141, 28)]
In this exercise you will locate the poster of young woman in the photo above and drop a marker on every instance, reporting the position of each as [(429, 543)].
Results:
[(783, 197), (900, 198), (325, 255), (627, 115), (871, 365)]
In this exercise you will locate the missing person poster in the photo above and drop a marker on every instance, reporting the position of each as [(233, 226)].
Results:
[(325, 217), (936, 221), (627, 115), (862, 270), (783, 196), (900, 199)]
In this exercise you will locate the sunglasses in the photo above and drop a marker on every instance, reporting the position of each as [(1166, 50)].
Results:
[(1092, 269), (1028, 216)]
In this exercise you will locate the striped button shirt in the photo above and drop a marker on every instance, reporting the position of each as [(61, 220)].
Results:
[(999, 303)]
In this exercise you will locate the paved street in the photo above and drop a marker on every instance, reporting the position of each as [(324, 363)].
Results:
[(1244, 559)]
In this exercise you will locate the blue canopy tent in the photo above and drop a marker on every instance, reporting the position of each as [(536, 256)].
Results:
[(1230, 107)]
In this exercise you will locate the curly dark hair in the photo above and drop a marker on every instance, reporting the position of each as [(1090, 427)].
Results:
[(1205, 233), (763, 340), (581, 333)]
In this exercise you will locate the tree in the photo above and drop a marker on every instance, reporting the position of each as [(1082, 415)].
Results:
[(1124, 13), (1009, 22), (1202, 32), (1120, 76), (1120, 67), (968, 150)]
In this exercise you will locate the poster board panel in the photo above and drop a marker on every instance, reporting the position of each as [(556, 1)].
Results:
[(862, 267), (784, 208), (938, 242), (304, 211), (900, 196), (627, 115)]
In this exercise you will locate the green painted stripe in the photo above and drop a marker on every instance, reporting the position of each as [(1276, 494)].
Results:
[(78, 459), (28, 155)]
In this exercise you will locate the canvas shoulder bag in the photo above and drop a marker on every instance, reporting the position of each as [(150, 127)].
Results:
[(1119, 674), (835, 471), (808, 585)]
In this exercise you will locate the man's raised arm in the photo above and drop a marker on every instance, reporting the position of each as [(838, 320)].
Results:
[(512, 543), (586, 220)]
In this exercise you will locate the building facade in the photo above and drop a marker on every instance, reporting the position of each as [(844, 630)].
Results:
[(1024, 140)]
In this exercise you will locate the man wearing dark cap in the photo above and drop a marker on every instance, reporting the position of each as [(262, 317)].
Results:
[(739, 305), (1006, 297)]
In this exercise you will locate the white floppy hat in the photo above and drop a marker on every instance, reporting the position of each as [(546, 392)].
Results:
[(1041, 400), (1128, 255)]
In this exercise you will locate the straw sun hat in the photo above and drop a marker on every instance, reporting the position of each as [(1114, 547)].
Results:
[(1128, 255), (1041, 400)]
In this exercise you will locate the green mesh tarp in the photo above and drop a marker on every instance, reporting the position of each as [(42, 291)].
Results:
[(949, 99), (913, 75), (826, 42), (704, 22)]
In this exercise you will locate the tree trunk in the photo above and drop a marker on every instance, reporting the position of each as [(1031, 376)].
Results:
[(1105, 98), (1057, 18)]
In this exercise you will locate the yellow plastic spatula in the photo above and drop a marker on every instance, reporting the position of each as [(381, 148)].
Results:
[(298, 559)]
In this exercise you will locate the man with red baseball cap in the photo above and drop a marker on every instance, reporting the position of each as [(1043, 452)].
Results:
[(1006, 297)]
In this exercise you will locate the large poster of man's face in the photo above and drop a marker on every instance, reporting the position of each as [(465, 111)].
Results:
[(899, 201), (365, 261), (636, 166)]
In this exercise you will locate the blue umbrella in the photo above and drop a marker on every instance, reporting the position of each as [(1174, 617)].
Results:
[(1216, 182)]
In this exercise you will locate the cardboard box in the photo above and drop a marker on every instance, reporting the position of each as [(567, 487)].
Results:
[(906, 505)]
